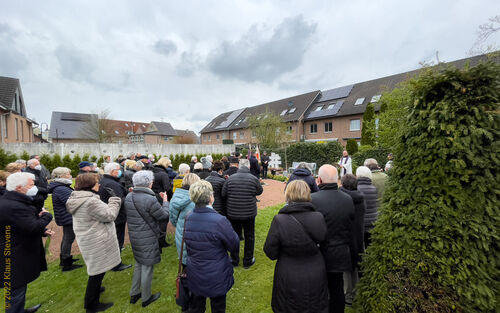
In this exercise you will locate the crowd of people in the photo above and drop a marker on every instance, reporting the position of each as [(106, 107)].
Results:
[(317, 238)]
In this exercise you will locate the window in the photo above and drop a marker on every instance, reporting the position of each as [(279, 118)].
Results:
[(375, 98), (209, 138), (330, 106), (359, 101), (4, 126), (117, 132), (319, 108), (235, 135), (289, 129), (283, 112), (314, 128), (242, 135), (16, 129), (328, 127), (254, 134), (165, 138), (355, 125), (292, 110), (223, 135), (376, 123), (217, 136)]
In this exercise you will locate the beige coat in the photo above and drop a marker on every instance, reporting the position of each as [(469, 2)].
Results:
[(93, 223)]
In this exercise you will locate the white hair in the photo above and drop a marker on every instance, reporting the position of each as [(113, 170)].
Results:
[(143, 179), (363, 171), (372, 164), (60, 171), (198, 166), (111, 167), (21, 161), (194, 157), (245, 163), (209, 158), (31, 161), (183, 168), (18, 179)]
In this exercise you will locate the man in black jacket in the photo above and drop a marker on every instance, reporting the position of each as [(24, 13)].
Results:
[(23, 255), (110, 187), (217, 181), (233, 166), (264, 160), (254, 165), (240, 191), (35, 168), (338, 209)]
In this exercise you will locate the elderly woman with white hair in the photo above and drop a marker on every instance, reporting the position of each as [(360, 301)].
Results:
[(370, 193), (208, 237), (144, 214), (60, 188)]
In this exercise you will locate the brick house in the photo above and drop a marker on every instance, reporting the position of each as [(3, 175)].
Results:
[(15, 126)]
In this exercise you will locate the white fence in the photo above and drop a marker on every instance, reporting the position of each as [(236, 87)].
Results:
[(114, 149)]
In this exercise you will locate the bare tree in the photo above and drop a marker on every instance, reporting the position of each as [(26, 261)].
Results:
[(485, 31), (97, 128)]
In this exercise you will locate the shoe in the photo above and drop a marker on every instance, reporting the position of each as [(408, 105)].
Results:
[(134, 299), (100, 307), (102, 289), (68, 265), (121, 267), (164, 244), (33, 309), (249, 265), (151, 299)]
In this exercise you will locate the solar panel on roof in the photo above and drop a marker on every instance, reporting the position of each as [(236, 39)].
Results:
[(74, 117), (336, 93), (327, 112), (230, 118)]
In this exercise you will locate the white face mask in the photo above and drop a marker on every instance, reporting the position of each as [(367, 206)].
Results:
[(32, 191), (38, 167)]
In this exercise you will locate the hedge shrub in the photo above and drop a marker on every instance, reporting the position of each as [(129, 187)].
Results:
[(379, 154), (435, 247), (351, 146)]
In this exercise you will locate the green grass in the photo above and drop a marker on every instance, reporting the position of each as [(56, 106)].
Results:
[(251, 293)]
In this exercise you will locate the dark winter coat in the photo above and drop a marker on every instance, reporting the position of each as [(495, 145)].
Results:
[(22, 229), (127, 178), (208, 238), (42, 185), (191, 166), (240, 191), (254, 166), (370, 193), (162, 182), (358, 226), (60, 194), (217, 182), (203, 174), (108, 181), (144, 232), (171, 173), (338, 209), (2, 190), (264, 160), (305, 175), (231, 170), (300, 283)]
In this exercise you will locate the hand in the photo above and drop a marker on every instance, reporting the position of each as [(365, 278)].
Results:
[(49, 232), (164, 196), (111, 192), (43, 211)]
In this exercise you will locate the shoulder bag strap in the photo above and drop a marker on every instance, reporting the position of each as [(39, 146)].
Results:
[(303, 229), (182, 246), (145, 220)]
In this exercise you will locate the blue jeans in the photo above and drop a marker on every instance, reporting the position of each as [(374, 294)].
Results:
[(17, 300)]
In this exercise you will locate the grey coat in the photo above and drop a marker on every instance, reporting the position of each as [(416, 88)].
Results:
[(143, 238)]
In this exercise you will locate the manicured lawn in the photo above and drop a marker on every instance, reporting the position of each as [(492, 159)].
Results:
[(64, 292)]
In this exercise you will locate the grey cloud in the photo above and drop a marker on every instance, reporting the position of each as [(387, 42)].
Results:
[(12, 61), (75, 65), (256, 58), (165, 47), (190, 62)]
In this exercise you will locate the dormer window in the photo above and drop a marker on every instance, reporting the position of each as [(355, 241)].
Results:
[(283, 112), (117, 132), (375, 98), (330, 106), (319, 108), (292, 110), (359, 101)]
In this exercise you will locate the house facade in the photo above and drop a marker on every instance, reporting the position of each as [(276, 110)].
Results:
[(328, 115), (15, 126)]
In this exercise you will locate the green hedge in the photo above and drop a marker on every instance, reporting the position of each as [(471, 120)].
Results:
[(379, 154)]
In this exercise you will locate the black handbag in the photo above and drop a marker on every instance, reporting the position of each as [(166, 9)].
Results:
[(182, 294)]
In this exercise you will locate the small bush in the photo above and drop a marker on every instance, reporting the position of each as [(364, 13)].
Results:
[(351, 146)]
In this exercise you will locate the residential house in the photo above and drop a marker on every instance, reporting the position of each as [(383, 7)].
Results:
[(15, 126), (155, 133)]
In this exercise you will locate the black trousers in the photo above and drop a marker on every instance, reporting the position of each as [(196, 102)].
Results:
[(198, 304), (120, 234), (93, 291), (67, 241), (248, 227), (367, 238), (264, 171), (336, 290)]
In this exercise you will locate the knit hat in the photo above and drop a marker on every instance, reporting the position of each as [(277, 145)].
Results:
[(206, 163), (84, 164)]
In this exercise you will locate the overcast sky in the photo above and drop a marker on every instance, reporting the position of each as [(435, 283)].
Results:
[(185, 62)]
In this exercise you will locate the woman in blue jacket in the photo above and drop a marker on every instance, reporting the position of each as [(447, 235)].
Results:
[(180, 206), (208, 237)]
